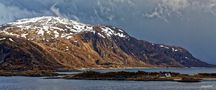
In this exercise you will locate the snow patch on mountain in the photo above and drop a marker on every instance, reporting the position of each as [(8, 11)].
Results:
[(174, 49), (2, 39), (10, 39), (109, 32)]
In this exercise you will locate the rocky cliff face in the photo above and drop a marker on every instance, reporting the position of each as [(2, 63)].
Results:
[(54, 42)]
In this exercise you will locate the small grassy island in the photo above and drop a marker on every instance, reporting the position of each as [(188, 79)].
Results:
[(140, 76)]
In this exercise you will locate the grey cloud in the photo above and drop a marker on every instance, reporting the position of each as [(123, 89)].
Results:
[(11, 13), (55, 10), (168, 8)]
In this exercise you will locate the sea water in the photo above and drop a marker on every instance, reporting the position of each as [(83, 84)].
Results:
[(39, 83)]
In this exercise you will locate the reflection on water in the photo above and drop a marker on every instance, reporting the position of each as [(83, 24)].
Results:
[(34, 83)]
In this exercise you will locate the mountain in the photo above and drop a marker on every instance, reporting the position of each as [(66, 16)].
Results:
[(53, 42)]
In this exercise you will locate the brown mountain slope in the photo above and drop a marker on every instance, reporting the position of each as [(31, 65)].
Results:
[(20, 54)]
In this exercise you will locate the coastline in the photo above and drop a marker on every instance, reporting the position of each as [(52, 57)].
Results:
[(115, 74)]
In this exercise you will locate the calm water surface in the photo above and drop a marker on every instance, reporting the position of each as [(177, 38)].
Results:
[(32, 83), (35, 83)]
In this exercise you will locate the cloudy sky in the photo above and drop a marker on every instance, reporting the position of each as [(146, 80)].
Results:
[(186, 23)]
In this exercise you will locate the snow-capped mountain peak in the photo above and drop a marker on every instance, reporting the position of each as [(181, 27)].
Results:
[(44, 20), (57, 27), (51, 23)]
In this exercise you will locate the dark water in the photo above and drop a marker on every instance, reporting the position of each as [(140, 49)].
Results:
[(35, 83), (32, 83)]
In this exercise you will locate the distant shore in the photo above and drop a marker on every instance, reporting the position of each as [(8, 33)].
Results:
[(29, 73)]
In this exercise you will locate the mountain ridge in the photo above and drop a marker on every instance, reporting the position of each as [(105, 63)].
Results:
[(71, 44)]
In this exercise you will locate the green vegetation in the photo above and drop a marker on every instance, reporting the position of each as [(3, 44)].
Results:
[(135, 76), (207, 75)]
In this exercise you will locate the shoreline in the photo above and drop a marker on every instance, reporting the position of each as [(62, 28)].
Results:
[(84, 69)]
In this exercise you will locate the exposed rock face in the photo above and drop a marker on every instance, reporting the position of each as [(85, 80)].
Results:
[(54, 42)]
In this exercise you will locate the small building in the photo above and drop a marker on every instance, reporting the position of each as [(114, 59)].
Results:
[(168, 75)]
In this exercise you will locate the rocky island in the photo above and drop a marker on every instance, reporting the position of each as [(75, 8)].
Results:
[(140, 76)]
